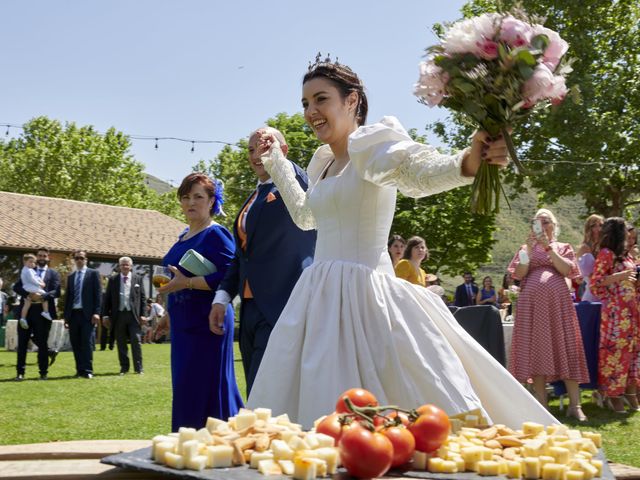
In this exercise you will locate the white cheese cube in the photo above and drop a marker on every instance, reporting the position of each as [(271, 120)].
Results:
[(190, 449), (212, 424), (331, 456), (286, 466), (219, 456), (161, 449), (269, 467), (256, 457), (196, 463), (203, 436), (420, 460), (174, 460), (245, 420), (263, 413), (297, 443), (281, 451), (304, 469), (324, 440)]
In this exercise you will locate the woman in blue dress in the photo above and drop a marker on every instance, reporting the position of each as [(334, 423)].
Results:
[(487, 294), (202, 372)]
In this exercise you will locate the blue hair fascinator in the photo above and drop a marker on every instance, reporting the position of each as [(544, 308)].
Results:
[(219, 199)]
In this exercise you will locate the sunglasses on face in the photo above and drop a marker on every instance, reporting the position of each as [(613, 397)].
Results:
[(79, 258)]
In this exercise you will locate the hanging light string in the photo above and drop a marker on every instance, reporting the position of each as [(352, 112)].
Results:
[(302, 151)]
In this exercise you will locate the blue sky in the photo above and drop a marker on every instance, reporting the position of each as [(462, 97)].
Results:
[(203, 70)]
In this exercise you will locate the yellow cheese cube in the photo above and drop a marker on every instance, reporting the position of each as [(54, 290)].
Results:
[(245, 420), (588, 446), (531, 467), (331, 456), (532, 428), (269, 467), (287, 435), (174, 460), (503, 468), (186, 434), (160, 439), (281, 451), (598, 465), (456, 424), (190, 449), (256, 457), (589, 471), (487, 468), (203, 436), (324, 440), (574, 475), (534, 448), (321, 466), (434, 465), (196, 463), (212, 424), (596, 438), (297, 443), (304, 469), (263, 413), (219, 456), (514, 469), (560, 454), (471, 421), (286, 466), (544, 459), (161, 449), (312, 441), (553, 471)]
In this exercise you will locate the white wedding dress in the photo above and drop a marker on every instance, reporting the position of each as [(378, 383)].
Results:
[(349, 321)]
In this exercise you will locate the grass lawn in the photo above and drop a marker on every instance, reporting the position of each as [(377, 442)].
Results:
[(139, 407)]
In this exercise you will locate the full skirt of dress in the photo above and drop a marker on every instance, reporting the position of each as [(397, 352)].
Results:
[(347, 325)]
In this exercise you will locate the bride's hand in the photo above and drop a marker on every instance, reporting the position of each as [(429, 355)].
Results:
[(266, 142), (484, 148)]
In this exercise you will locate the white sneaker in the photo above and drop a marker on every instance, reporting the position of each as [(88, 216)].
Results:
[(47, 316), (24, 324)]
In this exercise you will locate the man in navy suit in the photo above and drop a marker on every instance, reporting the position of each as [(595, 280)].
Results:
[(82, 312), (271, 252), (466, 293), (39, 326)]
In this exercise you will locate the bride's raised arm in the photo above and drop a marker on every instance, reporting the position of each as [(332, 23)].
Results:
[(384, 153), (294, 197)]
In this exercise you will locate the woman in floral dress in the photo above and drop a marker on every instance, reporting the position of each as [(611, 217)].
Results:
[(614, 282)]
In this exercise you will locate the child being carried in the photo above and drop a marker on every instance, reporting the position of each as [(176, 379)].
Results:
[(32, 284)]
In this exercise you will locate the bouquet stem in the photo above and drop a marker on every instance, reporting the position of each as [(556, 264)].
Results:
[(512, 151)]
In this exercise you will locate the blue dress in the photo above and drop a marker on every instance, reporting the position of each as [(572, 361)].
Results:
[(484, 295), (202, 372)]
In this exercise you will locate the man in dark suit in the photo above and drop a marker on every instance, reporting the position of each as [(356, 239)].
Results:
[(271, 252), (3, 303), (82, 312), (466, 293), (39, 326), (124, 304)]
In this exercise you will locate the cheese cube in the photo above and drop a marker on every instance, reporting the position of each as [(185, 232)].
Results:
[(304, 469), (196, 463), (420, 460), (161, 449), (174, 460), (596, 438), (460, 465), (544, 459), (219, 456), (256, 457), (281, 451), (503, 468), (434, 465), (534, 448), (185, 434), (283, 419), (263, 413), (331, 456), (487, 468), (297, 443), (312, 440), (588, 446), (514, 469), (269, 467), (159, 439), (203, 436), (553, 471), (560, 454), (325, 440), (190, 449), (287, 435), (212, 424), (321, 466), (471, 421), (589, 470), (531, 467), (598, 465), (245, 420), (456, 424), (574, 475), (532, 428), (286, 466), (574, 434), (448, 466)]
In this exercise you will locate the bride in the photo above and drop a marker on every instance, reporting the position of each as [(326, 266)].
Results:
[(349, 321)]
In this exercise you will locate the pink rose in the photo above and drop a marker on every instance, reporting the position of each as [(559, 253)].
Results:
[(465, 36), (559, 90), (539, 86), (514, 32), (555, 50), (431, 84), (487, 49)]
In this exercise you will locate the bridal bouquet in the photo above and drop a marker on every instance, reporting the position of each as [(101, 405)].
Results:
[(496, 69)]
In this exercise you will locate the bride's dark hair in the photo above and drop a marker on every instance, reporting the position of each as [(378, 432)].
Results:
[(344, 79)]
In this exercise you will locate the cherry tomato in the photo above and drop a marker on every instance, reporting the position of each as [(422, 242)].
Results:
[(431, 428), (365, 454), (358, 396), (403, 444), (330, 425), (404, 418)]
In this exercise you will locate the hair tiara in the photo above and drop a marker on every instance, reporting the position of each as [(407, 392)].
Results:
[(327, 62)]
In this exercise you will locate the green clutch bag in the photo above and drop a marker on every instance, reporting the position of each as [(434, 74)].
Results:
[(196, 264)]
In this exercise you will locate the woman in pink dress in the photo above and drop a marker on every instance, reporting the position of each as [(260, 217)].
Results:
[(614, 282), (547, 344)]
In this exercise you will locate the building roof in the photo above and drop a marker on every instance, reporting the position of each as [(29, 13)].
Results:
[(28, 222)]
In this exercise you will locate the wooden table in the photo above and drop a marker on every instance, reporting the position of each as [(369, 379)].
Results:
[(81, 459)]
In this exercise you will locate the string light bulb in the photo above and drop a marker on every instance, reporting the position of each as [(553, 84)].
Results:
[(193, 147), (156, 147)]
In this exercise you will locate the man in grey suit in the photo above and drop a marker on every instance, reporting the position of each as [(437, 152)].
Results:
[(82, 312), (124, 304)]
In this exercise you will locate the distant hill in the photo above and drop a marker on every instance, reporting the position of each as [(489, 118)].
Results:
[(512, 228), (156, 184)]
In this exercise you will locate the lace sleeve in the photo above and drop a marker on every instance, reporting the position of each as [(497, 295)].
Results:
[(294, 197), (384, 154)]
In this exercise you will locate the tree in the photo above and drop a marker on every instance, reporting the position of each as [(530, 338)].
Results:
[(457, 240), (599, 139), (76, 163)]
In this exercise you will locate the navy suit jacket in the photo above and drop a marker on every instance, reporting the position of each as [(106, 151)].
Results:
[(51, 287), (91, 294), (462, 298), (277, 252)]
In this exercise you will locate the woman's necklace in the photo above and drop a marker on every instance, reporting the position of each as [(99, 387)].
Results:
[(326, 170), (194, 231)]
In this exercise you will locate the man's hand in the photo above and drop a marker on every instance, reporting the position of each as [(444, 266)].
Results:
[(216, 318), (106, 322), (95, 319)]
